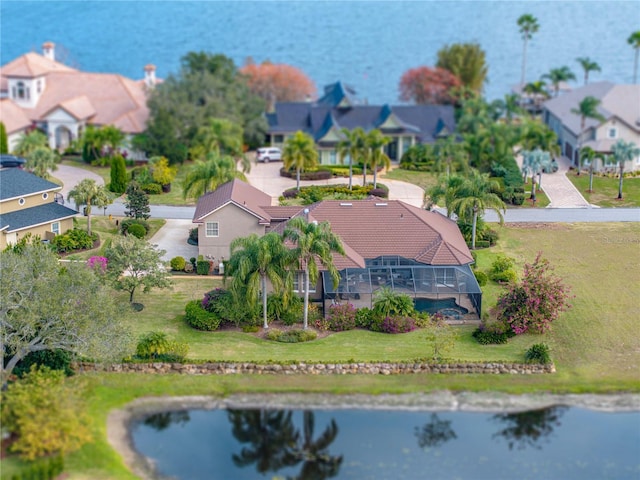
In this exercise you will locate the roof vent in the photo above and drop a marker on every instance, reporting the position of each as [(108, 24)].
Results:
[(346, 204), (381, 204)]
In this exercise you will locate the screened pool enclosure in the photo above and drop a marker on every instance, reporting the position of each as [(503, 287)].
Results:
[(451, 290)]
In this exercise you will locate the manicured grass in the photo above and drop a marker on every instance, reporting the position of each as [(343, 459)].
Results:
[(422, 179), (605, 190)]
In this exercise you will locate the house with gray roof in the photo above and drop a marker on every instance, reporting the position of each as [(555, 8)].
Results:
[(619, 105), (30, 204), (387, 243), (339, 108)]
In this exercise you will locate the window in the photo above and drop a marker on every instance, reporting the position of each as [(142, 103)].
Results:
[(23, 91), (21, 201), (39, 86), (55, 228), (212, 229), (278, 139), (612, 133), (45, 195), (298, 283), (332, 157), (406, 144)]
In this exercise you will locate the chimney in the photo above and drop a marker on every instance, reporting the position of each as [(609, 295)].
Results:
[(150, 75), (48, 50)]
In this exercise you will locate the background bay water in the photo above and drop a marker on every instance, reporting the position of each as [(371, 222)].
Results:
[(367, 44)]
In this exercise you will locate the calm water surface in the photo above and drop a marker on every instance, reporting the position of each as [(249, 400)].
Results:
[(553, 443), (368, 44)]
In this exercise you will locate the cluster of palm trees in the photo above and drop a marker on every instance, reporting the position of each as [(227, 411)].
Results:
[(303, 246), (34, 147)]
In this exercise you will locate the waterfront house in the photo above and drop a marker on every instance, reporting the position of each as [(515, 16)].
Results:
[(338, 108), (30, 204)]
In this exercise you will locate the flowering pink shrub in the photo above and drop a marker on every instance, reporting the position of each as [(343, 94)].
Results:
[(535, 302), (97, 263), (342, 317), (398, 324)]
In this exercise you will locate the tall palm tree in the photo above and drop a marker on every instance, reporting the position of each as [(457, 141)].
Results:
[(208, 175), (28, 142), (314, 244), (587, 108), (447, 189), (634, 41), (299, 152), (255, 259), (88, 192), (375, 142), (588, 65), (624, 152), (451, 152), (511, 107), (40, 160), (475, 196), (351, 147), (558, 75), (223, 137), (589, 155), (528, 25)]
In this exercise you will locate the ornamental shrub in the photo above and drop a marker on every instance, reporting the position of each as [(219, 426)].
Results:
[(97, 263), (289, 314), (397, 324), (538, 353), (203, 267), (199, 318), (342, 317), (127, 222), (136, 230), (151, 188), (388, 302), (493, 333), (364, 318), (74, 239), (178, 264), (502, 270), (118, 174), (155, 346), (291, 336), (54, 359), (422, 319), (481, 277)]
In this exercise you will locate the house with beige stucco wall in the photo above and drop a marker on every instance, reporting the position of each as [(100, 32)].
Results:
[(30, 205)]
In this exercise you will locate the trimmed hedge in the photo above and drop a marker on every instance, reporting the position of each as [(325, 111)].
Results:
[(200, 319), (320, 174)]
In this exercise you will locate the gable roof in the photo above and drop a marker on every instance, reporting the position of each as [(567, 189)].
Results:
[(13, 116), (234, 192), (338, 95), (32, 65), (33, 216), (621, 101), (16, 183)]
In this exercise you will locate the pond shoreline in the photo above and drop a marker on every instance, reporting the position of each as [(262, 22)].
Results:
[(119, 421)]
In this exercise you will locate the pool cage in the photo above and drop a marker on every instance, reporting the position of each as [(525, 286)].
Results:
[(451, 289)]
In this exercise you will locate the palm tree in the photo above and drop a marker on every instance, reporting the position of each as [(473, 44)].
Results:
[(314, 244), (318, 463), (475, 196), (537, 91), (467, 62), (29, 142), (588, 65), (223, 137), (351, 146), (299, 152), (587, 108), (452, 152), (208, 175), (590, 155), (447, 189), (375, 142), (558, 75), (40, 160), (528, 26), (255, 259), (511, 107), (624, 152), (88, 192), (634, 41)]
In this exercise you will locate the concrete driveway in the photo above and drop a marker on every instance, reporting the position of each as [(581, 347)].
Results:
[(172, 238), (71, 176)]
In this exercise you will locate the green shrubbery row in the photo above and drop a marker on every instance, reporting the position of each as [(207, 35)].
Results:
[(45, 469), (74, 239), (316, 193)]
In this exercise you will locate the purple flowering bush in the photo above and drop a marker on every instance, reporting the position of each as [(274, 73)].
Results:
[(342, 317), (397, 324), (97, 263)]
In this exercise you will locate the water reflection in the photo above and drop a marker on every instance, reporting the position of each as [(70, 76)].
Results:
[(162, 420), (435, 433), (274, 443), (530, 428)]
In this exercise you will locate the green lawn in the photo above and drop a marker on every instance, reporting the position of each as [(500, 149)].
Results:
[(422, 179), (595, 344), (605, 190)]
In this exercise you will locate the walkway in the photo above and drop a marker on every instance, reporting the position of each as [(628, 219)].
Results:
[(561, 192)]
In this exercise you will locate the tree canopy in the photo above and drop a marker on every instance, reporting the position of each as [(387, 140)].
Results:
[(425, 85), (88, 192), (299, 153), (467, 62)]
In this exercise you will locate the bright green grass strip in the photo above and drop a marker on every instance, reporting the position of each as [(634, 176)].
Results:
[(605, 190)]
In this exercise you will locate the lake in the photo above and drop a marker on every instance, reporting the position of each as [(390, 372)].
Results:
[(557, 442), (368, 44)]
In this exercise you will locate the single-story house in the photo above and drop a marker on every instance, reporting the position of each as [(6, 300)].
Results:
[(38, 91), (388, 243), (30, 204), (323, 120), (619, 105)]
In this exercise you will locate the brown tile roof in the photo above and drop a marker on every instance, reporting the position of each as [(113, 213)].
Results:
[(13, 116), (32, 65), (79, 107), (237, 192)]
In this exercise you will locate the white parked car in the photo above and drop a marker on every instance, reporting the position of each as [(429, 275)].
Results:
[(268, 154)]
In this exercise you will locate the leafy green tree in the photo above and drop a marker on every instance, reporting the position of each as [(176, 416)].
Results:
[(162, 172), (40, 161), (88, 192), (47, 414), (46, 307), (376, 156), (446, 189), (208, 175), (161, 137), (634, 41), (558, 75), (351, 147), (118, 174), (133, 263), (624, 152), (588, 65), (253, 261), (314, 243), (137, 203), (4, 141), (299, 153), (511, 107), (587, 108), (30, 141), (467, 62), (441, 338), (528, 25), (474, 197)]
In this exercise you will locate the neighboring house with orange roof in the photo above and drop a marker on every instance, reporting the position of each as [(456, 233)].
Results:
[(619, 105), (62, 101), (388, 243)]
